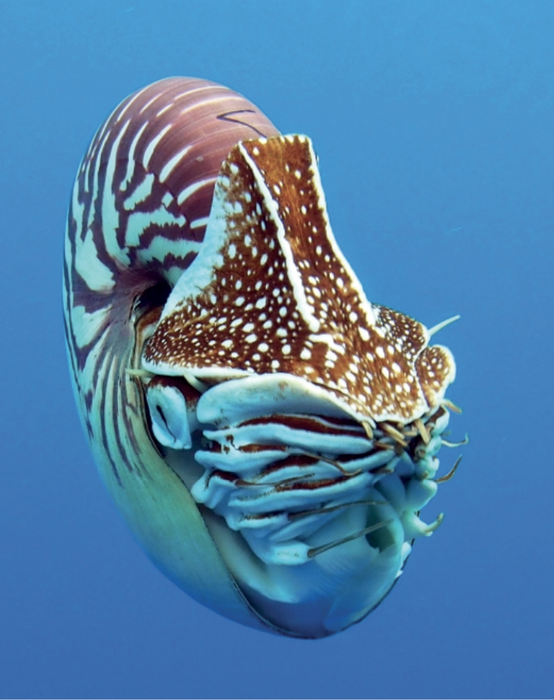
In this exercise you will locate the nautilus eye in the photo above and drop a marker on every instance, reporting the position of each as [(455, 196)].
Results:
[(269, 435)]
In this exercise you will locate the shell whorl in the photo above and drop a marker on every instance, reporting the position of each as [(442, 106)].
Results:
[(144, 188), (139, 209)]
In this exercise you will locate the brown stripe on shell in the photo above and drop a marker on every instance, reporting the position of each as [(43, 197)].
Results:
[(198, 119)]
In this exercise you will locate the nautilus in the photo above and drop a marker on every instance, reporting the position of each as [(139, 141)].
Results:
[(268, 434)]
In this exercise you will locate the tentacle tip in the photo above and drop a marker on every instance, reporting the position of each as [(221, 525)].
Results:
[(447, 477), (138, 373), (447, 403), (434, 525)]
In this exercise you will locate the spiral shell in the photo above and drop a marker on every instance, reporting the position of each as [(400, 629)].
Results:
[(267, 433)]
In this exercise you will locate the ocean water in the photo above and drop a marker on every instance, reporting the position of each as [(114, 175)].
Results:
[(433, 121)]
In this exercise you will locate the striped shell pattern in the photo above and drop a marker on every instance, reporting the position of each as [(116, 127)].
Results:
[(267, 433)]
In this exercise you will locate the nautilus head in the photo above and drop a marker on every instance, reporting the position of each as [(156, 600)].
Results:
[(268, 434)]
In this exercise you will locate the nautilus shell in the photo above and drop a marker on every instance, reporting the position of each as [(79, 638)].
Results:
[(267, 433)]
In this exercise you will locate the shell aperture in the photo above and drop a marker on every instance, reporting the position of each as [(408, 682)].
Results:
[(273, 421)]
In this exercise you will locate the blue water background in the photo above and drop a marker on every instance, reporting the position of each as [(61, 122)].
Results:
[(434, 123)]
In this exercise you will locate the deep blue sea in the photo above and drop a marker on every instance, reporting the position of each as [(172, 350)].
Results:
[(434, 124)]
